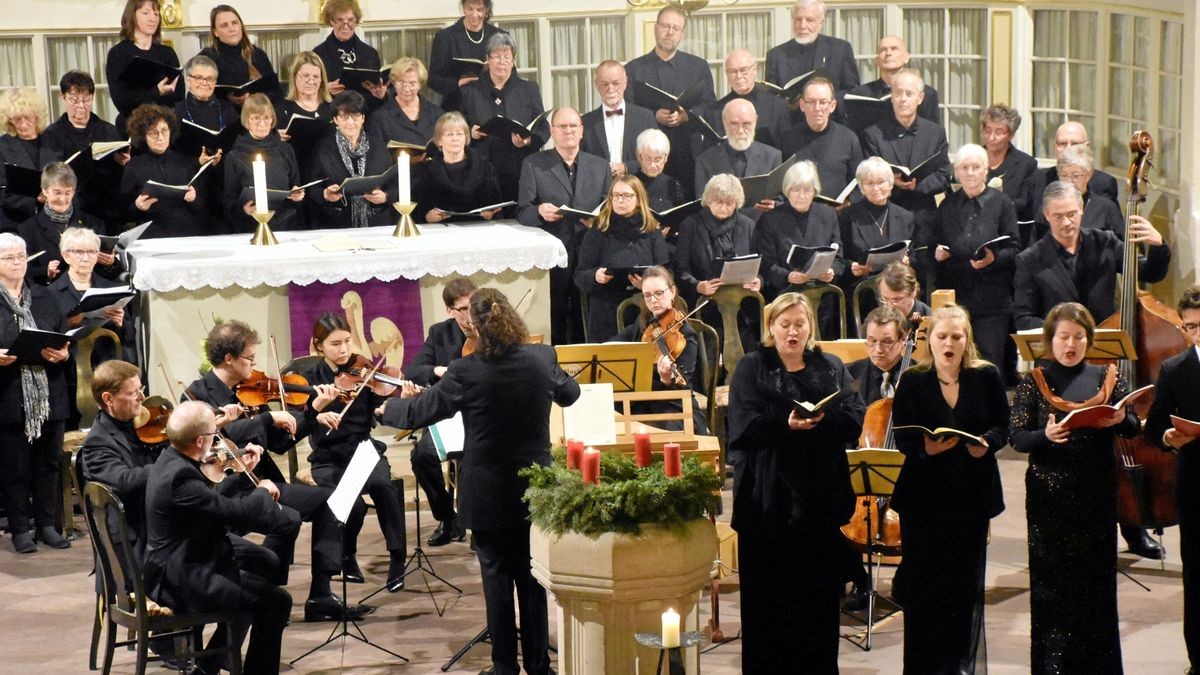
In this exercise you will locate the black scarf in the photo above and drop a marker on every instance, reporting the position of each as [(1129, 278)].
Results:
[(626, 228)]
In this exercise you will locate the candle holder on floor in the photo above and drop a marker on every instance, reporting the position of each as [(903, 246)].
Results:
[(673, 655), (263, 236), (405, 227)]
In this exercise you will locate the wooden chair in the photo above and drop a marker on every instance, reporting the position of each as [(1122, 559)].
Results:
[(815, 293), (623, 310), (100, 604), (870, 285), (105, 515), (729, 303)]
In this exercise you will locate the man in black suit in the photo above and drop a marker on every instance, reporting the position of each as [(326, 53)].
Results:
[(232, 349), (443, 345), (1175, 393), (562, 176), (741, 69), (832, 147), (1067, 135), (190, 565), (739, 154), (907, 139), (1075, 264), (673, 71), (809, 50), (611, 130), (890, 56)]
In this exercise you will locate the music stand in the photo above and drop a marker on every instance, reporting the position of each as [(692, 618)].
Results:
[(1109, 344), (873, 474), (629, 366), (340, 502)]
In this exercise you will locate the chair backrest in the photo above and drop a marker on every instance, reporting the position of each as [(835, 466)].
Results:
[(623, 310), (729, 302), (110, 537), (297, 365), (868, 287), (83, 373), (709, 348), (815, 293)]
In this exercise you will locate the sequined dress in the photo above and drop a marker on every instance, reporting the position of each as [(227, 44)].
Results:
[(1070, 506)]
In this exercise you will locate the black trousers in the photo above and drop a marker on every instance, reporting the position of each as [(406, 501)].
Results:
[(1188, 509), (312, 504), (388, 502), (504, 564), (254, 558), (427, 467), (791, 583), (267, 614), (31, 480)]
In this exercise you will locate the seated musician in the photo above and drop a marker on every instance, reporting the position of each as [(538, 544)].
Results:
[(899, 288), (673, 372), (190, 565), (443, 345), (341, 426), (1072, 263), (1176, 394), (231, 348)]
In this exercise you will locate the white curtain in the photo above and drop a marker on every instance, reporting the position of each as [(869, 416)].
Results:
[(606, 37), (16, 62), (569, 84), (64, 54), (862, 28), (280, 46), (1065, 73)]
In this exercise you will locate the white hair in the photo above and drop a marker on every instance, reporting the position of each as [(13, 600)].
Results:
[(970, 151), (653, 140), (802, 174)]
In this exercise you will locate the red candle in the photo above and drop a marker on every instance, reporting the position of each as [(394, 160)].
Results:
[(671, 461), (574, 453), (590, 466), (641, 450)]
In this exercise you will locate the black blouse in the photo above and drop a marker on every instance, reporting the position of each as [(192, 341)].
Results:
[(454, 41), (865, 226), (784, 226), (462, 186), (126, 97), (328, 164), (390, 123), (283, 173), (172, 217), (702, 241), (233, 70), (337, 446), (963, 224)]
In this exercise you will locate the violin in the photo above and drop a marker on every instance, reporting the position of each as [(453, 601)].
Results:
[(670, 340), (223, 460), (360, 373), (150, 423), (259, 389)]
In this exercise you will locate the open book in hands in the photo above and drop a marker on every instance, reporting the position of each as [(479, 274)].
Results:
[(1091, 416), (944, 431), (805, 410)]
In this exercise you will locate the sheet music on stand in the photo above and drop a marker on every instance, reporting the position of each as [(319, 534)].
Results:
[(590, 418), (628, 366), (350, 486)]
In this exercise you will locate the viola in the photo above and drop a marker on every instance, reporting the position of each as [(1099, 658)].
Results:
[(259, 389), (150, 423), (223, 460), (360, 373), (670, 340)]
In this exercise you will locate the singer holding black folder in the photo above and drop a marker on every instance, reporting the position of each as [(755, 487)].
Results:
[(454, 47), (238, 60), (141, 37), (948, 491), (22, 146), (283, 172), (349, 152), (33, 406), (460, 178), (151, 128), (307, 97)]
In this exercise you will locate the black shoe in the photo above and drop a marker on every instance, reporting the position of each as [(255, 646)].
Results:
[(856, 600), (1144, 546), (473, 542), (50, 537), (446, 532), (331, 608), (23, 542), (395, 582), (351, 571)]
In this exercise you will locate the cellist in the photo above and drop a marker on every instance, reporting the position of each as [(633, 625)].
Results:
[(1176, 394)]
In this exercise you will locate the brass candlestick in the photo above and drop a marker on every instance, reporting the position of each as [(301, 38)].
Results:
[(405, 227), (263, 236)]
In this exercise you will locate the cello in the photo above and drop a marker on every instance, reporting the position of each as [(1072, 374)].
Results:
[(1145, 474)]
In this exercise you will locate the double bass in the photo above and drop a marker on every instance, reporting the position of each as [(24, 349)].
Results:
[(1145, 474)]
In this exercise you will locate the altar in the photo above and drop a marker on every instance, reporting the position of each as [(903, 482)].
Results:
[(389, 289)]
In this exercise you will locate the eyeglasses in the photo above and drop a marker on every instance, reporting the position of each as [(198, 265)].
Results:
[(802, 191), (1190, 327), (745, 126), (1072, 176), (623, 196), (261, 119), (652, 159), (407, 84), (1062, 217), (344, 22), (78, 100), (819, 105), (886, 344), (500, 58), (568, 127), (83, 252), (249, 359), (309, 78), (13, 259), (348, 117), (460, 310), (669, 28), (656, 295), (165, 132), (202, 80), (744, 70)]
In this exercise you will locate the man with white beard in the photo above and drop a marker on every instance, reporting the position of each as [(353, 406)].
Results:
[(739, 154), (809, 50)]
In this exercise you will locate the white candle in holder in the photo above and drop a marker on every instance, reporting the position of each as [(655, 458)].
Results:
[(260, 185), (670, 629), (402, 179)]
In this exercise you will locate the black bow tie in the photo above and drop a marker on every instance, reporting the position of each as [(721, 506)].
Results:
[(618, 111)]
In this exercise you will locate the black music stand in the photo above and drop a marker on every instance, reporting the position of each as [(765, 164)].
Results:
[(351, 482), (873, 474)]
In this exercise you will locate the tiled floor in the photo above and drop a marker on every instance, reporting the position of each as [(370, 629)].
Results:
[(47, 598)]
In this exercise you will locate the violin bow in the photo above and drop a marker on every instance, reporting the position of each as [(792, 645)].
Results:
[(279, 378), (162, 369), (686, 316)]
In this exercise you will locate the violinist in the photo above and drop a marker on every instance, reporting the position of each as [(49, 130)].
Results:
[(663, 315), (1175, 393), (341, 426), (190, 565), (504, 391), (1071, 500), (791, 493), (232, 349), (443, 345), (625, 236)]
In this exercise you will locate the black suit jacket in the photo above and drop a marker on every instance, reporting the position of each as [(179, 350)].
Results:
[(189, 558), (110, 456), (884, 140), (544, 180), (47, 316), (1041, 281), (443, 345), (595, 138), (953, 479), (869, 380), (1099, 213), (987, 291), (833, 55), (507, 428), (1101, 184), (760, 159), (1175, 393)]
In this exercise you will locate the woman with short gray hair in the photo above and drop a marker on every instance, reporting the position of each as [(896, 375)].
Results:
[(58, 212), (653, 151), (717, 232), (997, 126)]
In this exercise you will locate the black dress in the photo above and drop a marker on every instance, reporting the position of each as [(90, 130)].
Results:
[(233, 70), (172, 217), (283, 173), (623, 244), (945, 502), (127, 97), (1071, 503), (458, 186), (444, 72), (791, 494), (97, 180)]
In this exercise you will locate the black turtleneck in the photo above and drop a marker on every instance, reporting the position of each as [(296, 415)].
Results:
[(213, 114), (283, 173), (336, 54)]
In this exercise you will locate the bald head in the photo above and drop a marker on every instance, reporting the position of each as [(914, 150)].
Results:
[(741, 69), (1070, 133), (890, 56), (188, 425), (739, 118)]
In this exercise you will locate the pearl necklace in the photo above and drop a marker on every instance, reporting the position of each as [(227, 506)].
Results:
[(468, 32)]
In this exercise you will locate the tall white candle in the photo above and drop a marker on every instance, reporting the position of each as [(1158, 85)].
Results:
[(402, 179), (260, 185), (670, 628)]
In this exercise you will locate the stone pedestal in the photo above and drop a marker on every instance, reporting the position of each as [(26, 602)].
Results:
[(611, 586)]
